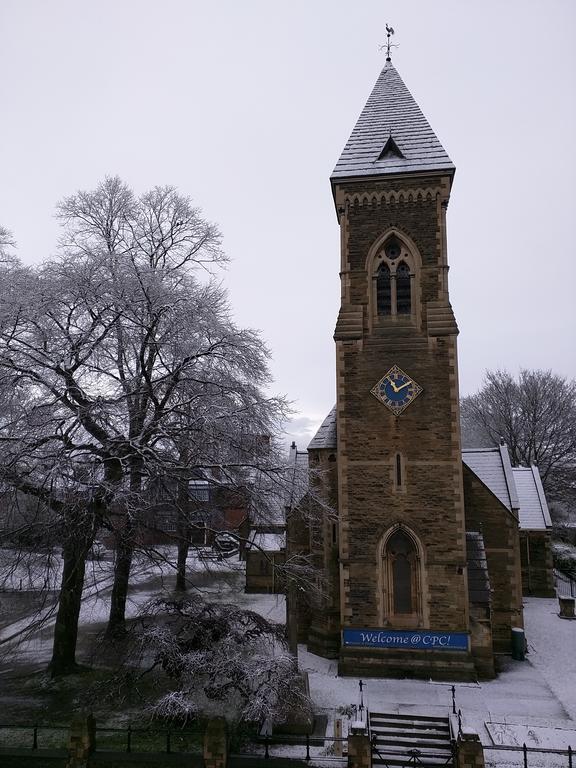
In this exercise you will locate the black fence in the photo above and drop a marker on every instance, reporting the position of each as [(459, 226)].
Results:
[(565, 585), (43, 738), (526, 756), (34, 737), (303, 747)]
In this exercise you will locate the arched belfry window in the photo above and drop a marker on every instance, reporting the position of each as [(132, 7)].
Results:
[(383, 290), (402, 580), (403, 299), (393, 275)]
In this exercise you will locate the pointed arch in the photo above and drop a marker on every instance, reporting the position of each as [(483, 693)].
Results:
[(401, 578), (399, 253)]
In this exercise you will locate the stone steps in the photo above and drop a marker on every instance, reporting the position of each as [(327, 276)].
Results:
[(410, 740)]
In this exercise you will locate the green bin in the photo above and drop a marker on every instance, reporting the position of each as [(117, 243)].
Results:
[(518, 644)]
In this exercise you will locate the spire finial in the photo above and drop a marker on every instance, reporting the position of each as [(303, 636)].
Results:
[(388, 46)]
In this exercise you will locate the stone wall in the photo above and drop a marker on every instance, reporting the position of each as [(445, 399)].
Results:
[(499, 527), (426, 435), (537, 564)]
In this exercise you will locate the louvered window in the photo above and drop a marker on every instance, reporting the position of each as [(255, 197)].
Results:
[(383, 290), (403, 298)]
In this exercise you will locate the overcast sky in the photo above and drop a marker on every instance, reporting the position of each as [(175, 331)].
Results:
[(246, 106)]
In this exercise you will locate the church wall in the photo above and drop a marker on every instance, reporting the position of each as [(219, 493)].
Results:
[(324, 631), (537, 564), (426, 434), (499, 527)]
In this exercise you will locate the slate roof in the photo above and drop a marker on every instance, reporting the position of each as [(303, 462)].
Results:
[(326, 435), (492, 466), (533, 514), (478, 580), (391, 117)]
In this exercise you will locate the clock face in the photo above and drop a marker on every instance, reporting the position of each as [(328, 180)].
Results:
[(396, 390)]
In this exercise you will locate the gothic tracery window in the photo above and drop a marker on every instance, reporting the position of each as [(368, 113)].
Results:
[(394, 274)]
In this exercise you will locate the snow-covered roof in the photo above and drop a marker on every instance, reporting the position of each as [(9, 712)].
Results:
[(478, 580), (269, 542), (326, 435), (492, 466), (533, 513), (391, 120)]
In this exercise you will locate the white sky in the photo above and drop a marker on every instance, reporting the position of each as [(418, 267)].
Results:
[(245, 106)]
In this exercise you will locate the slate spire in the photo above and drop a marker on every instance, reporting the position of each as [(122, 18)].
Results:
[(391, 120)]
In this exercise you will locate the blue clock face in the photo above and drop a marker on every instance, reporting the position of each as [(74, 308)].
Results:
[(396, 390)]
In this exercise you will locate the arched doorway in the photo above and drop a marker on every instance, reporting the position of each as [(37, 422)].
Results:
[(402, 579)]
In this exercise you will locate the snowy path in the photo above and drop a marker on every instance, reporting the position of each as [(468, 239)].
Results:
[(533, 701)]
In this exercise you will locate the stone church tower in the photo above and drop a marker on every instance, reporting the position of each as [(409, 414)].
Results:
[(419, 574), (401, 503)]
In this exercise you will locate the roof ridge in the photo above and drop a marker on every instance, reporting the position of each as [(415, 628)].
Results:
[(391, 110)]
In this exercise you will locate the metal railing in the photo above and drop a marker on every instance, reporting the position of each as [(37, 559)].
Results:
[(34, 736), (302, 746), (565, 584), (55, 737), (525, 752)]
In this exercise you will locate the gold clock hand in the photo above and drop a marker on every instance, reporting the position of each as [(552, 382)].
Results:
[(402, 386), (394, 387)]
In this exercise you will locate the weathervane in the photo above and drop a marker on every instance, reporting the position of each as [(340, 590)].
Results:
[(388, 46)]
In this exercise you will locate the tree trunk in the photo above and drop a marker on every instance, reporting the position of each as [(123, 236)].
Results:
[(63, 660), (183, 547), (182, 524), (124, 550)]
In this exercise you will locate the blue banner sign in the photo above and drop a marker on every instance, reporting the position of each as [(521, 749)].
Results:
[(406, 639)]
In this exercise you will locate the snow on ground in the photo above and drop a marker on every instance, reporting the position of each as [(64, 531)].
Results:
[(532, 702), (30, 638)]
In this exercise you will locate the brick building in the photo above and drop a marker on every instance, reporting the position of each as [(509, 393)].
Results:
[(420, 575)]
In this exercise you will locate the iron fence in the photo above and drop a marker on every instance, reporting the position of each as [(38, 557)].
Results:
[(565, 585), (128, 739), (34, 736), (416, 757), (329, 748), (567, 758)]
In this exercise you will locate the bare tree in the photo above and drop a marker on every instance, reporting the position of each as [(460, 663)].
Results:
[(199, 652), (127, 369), (536, 416)]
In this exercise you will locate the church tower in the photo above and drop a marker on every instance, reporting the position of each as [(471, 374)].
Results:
[(403, 594)]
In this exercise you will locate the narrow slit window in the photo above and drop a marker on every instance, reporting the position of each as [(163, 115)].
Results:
[(403, 297), (398, 470), (383, 290)]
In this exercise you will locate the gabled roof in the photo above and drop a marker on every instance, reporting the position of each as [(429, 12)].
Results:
[(391, 116), (534, 514), (326, 435), (492, 466)]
